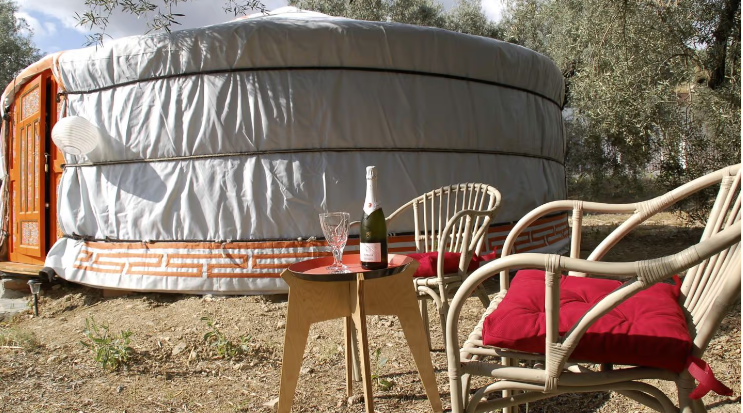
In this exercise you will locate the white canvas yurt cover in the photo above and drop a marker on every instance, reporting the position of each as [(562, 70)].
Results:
[(220, 145)]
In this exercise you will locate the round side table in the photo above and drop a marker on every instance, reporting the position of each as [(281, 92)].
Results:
[(316, 295)]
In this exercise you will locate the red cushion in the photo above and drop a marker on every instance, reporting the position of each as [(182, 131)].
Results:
[(429, 260), (648, 329)]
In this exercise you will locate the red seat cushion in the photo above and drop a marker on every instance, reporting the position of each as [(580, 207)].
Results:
[(648, 329), (428, 262)]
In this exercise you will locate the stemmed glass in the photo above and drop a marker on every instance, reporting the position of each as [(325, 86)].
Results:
[(335, 228)]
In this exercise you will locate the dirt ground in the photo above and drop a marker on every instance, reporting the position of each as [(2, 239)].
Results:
[(174, 368)]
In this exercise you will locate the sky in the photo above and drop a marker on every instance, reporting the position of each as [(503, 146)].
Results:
[(54, 25)]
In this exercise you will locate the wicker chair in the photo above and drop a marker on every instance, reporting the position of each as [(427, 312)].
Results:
[(454, 218), (711, 283)]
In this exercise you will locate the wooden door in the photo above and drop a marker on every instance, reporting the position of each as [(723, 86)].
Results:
[(27, 174)]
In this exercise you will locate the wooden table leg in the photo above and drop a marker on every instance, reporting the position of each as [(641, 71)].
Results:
[(355, 352), (295, 340), (359, 319), (350, 365), (412, 326)]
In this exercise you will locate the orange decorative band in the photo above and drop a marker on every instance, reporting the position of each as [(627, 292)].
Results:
[(264, 259)]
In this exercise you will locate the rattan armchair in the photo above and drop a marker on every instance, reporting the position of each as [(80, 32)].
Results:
[(456, 219), (712, 281)]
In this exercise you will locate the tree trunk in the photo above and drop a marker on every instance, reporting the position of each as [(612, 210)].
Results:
[(718, 49)]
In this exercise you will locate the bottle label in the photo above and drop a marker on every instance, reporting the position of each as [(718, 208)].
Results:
[(370, 251)]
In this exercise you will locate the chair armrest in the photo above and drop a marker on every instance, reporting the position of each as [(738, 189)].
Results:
[(640, 211), (645, 273), (466, 243)]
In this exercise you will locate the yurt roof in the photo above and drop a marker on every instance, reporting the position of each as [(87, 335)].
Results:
[(310, 41)]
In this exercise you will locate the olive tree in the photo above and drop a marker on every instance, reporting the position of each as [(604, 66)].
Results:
[(160, 14), (653, 85), (465, 17), (17, 51)]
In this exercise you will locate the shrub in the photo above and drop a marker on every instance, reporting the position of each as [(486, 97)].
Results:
[(21, 338), (222, 346), (110, 352)]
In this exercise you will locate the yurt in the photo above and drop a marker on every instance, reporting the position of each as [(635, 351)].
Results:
[(197, 161)]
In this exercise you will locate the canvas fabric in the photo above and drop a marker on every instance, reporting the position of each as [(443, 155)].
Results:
[(295, 107)]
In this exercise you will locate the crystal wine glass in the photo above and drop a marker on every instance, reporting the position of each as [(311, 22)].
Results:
[(335, 228)]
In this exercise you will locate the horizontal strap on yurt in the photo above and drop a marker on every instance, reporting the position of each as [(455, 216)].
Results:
[(310, 150), (319, 68), (89, 238)]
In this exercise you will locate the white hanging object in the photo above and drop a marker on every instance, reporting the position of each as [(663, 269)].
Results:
[(75, 135)]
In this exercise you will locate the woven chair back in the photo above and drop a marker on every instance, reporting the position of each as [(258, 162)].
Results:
[(433, 210)]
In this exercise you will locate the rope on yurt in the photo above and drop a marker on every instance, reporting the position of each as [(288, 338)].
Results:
[(223, 242), (4, 196), (309, 150), (319, 68)]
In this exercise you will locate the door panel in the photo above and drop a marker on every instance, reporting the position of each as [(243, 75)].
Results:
[(27, 174)]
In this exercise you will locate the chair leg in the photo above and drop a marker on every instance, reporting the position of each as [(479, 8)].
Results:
[(506, 394), (483, 296), (684, 386), (423, 303), (698, 406), (443, 310), (429, 292), (443, 307)]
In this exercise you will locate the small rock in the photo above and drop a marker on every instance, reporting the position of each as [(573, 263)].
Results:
[(119, 389), (306, 370), (237, 366), (68, 298), (356, 398), (272, 404), (178, 348), (208, 297), (281, 324)]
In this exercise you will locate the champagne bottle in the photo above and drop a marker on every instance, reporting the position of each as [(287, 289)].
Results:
[(373, 235)]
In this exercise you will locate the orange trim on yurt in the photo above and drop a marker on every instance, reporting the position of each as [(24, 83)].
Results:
[(261, 259)]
